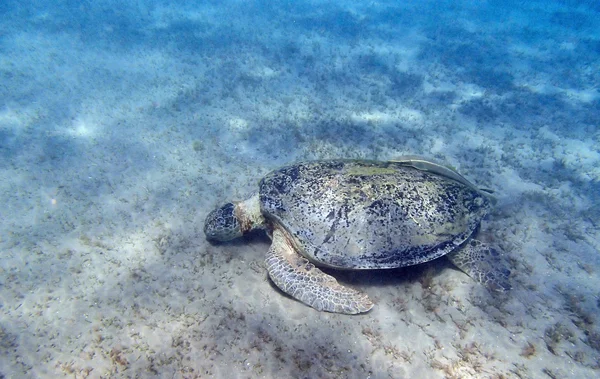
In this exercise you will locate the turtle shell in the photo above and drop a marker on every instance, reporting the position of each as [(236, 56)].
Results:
[(359, 214)]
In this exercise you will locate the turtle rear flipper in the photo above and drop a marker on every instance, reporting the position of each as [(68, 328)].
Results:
[(482, 263), (299, 278)]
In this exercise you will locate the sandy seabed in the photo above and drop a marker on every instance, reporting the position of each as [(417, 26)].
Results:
[(122, 127)]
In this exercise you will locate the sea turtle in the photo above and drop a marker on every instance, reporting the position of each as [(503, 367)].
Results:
[(361, 214)]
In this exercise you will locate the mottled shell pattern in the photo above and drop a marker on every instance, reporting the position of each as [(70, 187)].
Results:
[(360, 214)]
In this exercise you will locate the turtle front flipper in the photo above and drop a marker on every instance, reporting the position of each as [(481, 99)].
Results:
[(299, 278), (482, 263)]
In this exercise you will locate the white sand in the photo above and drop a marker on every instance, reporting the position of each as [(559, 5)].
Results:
[(120, 132)]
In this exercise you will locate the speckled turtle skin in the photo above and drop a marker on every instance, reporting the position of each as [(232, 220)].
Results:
[(358, 214)]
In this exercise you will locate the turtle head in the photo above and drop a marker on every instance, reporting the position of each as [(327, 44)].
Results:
[(222, 224)]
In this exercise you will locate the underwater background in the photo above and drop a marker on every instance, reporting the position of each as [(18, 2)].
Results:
[(123, 123)]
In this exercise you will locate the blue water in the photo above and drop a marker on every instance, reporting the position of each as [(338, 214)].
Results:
[(122, 124)]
